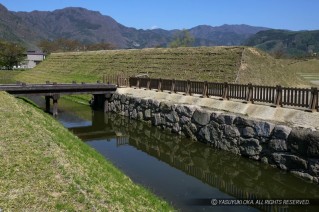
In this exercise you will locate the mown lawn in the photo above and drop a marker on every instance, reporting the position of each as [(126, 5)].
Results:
[(46, 168)]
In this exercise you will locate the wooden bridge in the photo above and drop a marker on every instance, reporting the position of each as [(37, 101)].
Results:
[(100, 91)]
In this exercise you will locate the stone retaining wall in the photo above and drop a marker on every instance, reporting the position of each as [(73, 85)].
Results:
[(293, 149)]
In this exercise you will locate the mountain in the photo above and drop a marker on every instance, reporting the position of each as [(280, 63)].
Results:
[(288, 43), (228, 35), (93, 27)]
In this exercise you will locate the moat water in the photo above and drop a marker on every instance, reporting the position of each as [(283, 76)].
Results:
[(189, 175)]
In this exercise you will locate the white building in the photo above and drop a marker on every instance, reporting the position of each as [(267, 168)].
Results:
[(33, 59)]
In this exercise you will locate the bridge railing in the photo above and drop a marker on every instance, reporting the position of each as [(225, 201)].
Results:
[(303, 98)]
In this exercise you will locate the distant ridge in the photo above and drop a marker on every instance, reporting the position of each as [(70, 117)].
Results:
[(92, 27), (287, 43)]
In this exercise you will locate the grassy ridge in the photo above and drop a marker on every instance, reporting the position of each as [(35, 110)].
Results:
[(260, 68), (44, 168), (215, 64)]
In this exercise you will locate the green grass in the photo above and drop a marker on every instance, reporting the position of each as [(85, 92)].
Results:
[(8, 76), (215, 64), (262, 69), (46, 168)]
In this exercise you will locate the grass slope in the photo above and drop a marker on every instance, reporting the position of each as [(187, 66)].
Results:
[(216, 64), (46, 168), (260, 68)]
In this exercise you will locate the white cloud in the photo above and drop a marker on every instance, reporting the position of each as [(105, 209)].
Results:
[(154, 27)]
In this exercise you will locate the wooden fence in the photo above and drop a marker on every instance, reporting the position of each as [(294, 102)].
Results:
[(305, 98)]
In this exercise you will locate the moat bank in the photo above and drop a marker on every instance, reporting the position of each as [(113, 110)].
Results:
[(284, 138), (44, 167)]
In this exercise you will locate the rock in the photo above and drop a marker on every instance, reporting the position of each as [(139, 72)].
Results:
[(123, 99), (304, 142), (313, 144), (127, 114), (140, 115), (240, 121), (210, 133), (157, 120), (156, 104), (201, 117), (134, 114), (303, 175), (188, 133), (264, 129), (176, 128), (314, 167), (281, 132), (230, 131), (165, 107), (204, 133), (247, 132), (249, 147), (224, 119), (264, 160), (184, 120), (113, 108), (172, 117), (144, 103), (277, 145), (147, 114), (290, 161), (185, 110)]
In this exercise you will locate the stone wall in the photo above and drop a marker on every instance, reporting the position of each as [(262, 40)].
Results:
[(292, 149)]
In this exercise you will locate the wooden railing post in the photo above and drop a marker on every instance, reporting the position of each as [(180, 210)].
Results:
[(138, 82), (173, 86), (225, 90), (118, 80), (314, 100), (148, 84), (188, 88), (159, 88), (278, 99), (205, 89), (249, 93)]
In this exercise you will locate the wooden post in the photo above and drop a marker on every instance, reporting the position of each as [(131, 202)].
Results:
[(249, 93), (205, 89), (159, 88), (188, 88), (118, 81), (138, 82), (225, 90), (47, 104), (55, 104), (278, 99), (148, 84), (173, 86), (314, 100)]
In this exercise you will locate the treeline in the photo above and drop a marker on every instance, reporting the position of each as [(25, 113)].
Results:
[(11, 54), (283, 43), (67, 45)]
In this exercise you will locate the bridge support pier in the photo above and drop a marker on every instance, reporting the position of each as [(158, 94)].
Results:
[(100, 101), (55, 98)]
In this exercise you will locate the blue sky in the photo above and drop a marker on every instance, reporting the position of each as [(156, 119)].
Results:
[(179, 14)]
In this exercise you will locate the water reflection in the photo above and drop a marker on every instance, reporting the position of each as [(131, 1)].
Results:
[(223, 175)]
